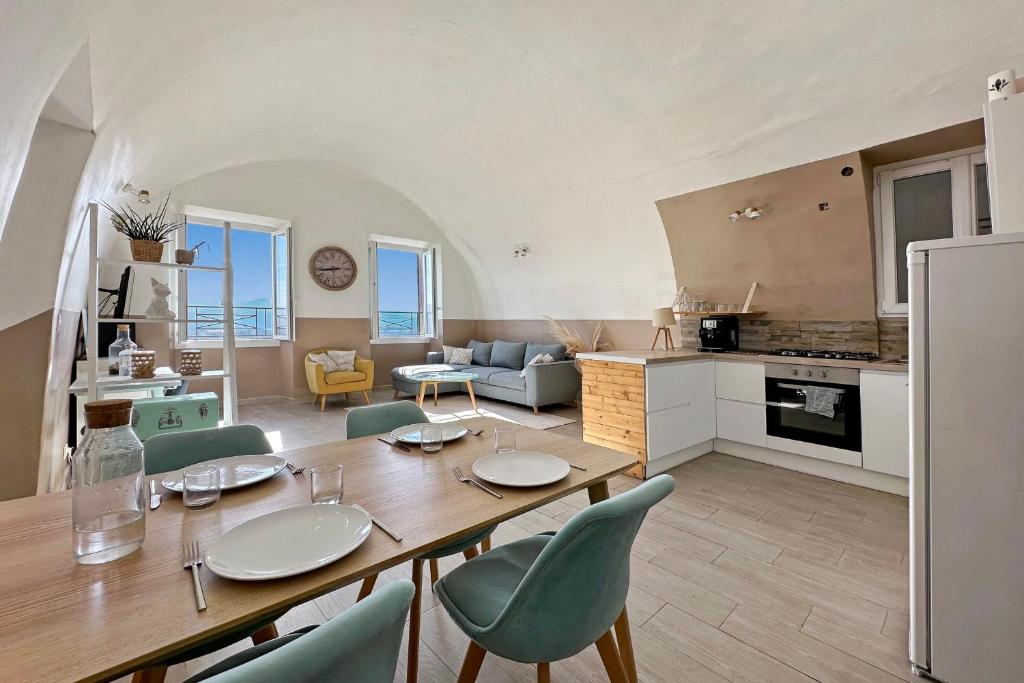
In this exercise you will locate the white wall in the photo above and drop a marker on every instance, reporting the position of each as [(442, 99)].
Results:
[(327, 207)]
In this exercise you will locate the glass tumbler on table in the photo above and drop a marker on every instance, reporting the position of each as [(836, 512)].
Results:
[(431, 438), (504, 439), (327, 484), (200, 486)]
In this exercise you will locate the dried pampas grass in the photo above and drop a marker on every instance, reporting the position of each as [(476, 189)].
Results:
[(573, 340)]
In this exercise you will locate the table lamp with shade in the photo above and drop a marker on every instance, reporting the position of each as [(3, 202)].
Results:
[(664, 320)]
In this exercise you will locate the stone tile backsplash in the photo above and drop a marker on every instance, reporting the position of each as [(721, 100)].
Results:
[(887, 337)]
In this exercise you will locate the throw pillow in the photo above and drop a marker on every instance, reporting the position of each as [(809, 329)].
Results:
[(481, 352), (457, 356), (344, 361), (556, 351), (324, 360), (508, 355), (539, 359)]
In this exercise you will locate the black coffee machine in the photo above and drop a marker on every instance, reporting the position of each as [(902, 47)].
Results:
[(720, 333)]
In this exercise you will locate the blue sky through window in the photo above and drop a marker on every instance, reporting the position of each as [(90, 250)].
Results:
[(398, 292)]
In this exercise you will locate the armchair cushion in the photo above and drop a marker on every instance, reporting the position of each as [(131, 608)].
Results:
[(342, 377)]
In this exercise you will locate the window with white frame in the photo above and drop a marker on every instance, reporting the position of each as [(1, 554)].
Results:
[(932, 198), (405, 290), (261, 278)]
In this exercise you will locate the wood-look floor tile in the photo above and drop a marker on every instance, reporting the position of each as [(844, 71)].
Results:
[(850, 541), (780, 537), (819, 660), (897, 626), (674, 537), (847, 605), (886, 653), (728, 536), (735, 587), (874, 534), (686, 595), (882, 589)]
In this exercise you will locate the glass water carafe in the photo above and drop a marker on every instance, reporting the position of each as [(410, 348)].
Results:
[(108, 485), (122, 343)]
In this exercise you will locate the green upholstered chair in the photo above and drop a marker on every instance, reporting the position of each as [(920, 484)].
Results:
[(378, 419), (166, 452), (548, 597), (360, 645)]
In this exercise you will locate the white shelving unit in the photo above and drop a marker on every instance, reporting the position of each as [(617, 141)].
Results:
[(227, 375)]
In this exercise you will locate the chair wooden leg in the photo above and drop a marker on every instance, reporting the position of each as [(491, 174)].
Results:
[(543, 672), (536, 410), (625, 642), (435, 572), (412, 668), (268, 632), (485, 544), (396, 394), (366, 396), (470, 553), (610, 658), (323, 402), (155, 674), (316, 397), (471, 664), (435, 393), (366, 587)]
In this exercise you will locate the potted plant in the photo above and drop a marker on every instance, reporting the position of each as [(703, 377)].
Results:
[(148, 233), (187, 257)]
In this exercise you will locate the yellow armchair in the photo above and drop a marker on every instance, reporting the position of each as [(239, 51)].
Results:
[(324, 383)]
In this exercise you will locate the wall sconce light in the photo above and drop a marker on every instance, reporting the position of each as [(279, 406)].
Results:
[(751, 213), (142, 195), (520, 251)]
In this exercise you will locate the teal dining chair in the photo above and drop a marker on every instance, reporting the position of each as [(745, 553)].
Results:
[(369, 420), (548, 597), (360, 645), (173, 451), (166, 452)]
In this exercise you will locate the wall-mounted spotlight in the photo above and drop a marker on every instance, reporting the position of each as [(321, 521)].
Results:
[(142, 195), (751, 213), (520, 251)]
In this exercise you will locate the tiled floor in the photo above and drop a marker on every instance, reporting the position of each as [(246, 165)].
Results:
[(745, 573)]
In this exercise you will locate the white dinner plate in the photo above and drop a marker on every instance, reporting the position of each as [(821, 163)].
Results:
[(521, 468), (288, 542), (411, 433), (235, 472)]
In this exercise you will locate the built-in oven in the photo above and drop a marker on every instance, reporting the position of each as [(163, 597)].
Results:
[(813, 404)]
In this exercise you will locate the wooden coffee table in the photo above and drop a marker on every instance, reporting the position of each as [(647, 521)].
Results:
[(435, 377)]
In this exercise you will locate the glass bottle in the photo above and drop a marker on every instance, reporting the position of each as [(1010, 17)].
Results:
[(122, 343), (108, 485)]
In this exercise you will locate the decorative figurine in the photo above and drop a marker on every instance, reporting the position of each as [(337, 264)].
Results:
[(158, 307)]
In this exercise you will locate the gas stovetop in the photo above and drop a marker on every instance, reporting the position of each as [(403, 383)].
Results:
[(834, 355)]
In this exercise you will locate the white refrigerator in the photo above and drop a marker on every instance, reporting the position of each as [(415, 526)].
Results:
[(967, 458)]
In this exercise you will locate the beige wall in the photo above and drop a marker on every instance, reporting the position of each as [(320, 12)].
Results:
[(810, 264)]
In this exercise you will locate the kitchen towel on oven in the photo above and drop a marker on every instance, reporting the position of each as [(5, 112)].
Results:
[(821, 401)]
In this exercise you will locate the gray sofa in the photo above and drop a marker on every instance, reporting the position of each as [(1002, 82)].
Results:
[(499, 365)]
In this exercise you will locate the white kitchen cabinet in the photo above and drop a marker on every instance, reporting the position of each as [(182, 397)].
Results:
[(741, 421), (739, 381), (680, 406), (885, 420)]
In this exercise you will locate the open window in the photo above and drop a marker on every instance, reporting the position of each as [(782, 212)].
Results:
[(404, 290)]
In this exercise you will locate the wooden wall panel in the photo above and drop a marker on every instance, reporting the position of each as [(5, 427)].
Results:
[(614, 412)]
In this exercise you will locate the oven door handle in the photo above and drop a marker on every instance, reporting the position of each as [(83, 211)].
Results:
[(799, 387), (785, 404)]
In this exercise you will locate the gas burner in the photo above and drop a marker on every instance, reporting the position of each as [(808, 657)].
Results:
[(833, 355)]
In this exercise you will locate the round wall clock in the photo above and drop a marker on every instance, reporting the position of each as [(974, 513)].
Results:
[(332, 268)]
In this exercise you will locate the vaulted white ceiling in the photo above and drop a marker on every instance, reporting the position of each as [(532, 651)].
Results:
[(555, 124)]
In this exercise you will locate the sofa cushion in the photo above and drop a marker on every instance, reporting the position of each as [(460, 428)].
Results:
[(485, 373), (509, 379), (344, 377), (509, 355), (481, 351), (556, 351)]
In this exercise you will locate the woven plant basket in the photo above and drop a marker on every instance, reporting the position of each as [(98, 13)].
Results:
[(147, 250), (185, 257)]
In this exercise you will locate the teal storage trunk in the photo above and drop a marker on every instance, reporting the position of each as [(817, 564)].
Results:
[(168, 414)]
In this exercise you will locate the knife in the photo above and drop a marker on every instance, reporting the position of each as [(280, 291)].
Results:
[(382, 525), (154, 497), (394, 444)]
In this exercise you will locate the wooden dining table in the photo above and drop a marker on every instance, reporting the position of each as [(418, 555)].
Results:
[(61, 621)]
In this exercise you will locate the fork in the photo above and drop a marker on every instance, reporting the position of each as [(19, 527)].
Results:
[(457, 471), (294, 469), (192, 561)]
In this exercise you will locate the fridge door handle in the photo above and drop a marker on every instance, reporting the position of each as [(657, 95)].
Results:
[(920, 570)]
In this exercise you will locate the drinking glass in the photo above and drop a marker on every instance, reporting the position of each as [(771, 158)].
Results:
[(431, 438), (327, 484), (200, 486), (504, 439), (721, 308)]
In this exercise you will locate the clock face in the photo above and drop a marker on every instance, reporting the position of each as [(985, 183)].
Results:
[(332, 268)]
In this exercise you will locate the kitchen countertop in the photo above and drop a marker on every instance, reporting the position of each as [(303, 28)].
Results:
[(658, 357)]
